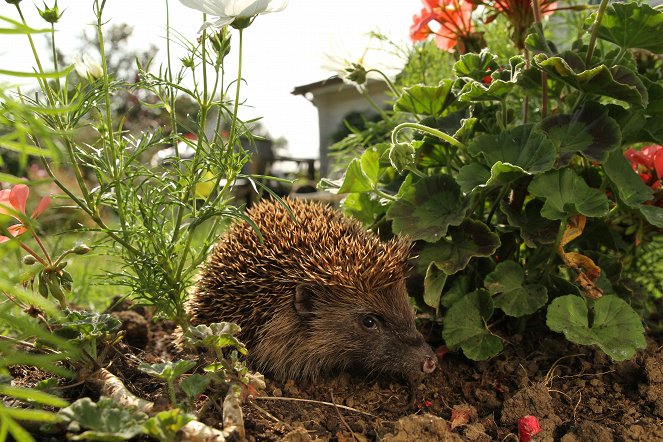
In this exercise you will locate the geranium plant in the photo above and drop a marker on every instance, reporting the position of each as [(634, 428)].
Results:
[(516, 178)]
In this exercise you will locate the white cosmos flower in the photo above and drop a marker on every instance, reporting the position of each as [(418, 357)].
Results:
[(87, 66), (229, 11)]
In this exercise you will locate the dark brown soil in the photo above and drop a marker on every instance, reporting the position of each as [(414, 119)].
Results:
[(577, 394)]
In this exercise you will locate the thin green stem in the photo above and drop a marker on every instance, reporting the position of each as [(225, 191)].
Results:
[(496, 204), (233, 126), (33, 253), (428, 130), (390, 84), (384, 195), (55, 57), (595, 31)]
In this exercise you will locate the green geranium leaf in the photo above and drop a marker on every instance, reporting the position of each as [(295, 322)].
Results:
[(497, 90), (534, 229), (631, 122), (616, 328), (471, 176), (217, 335), (168, 370), (83, 324), (426, 100), (617, 82), (507, 276), (433, 285), (523, 146), (464, 327), (458, 288), (589, 131), (514, 297), (631, 25), (427, 208), (627, 184), (105, 420), (470, 239), (630, 188), (476, 66), (361, 175), (194, 385), (565, 194), (365, 207)]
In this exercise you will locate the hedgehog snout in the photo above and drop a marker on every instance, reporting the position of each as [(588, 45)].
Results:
[(429, 365)]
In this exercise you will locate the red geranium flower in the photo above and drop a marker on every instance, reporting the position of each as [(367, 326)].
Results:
[(648, 164), (454, 20), (12, 203)]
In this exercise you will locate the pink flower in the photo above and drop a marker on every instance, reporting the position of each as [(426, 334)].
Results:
[(13, 202), (528, 427)]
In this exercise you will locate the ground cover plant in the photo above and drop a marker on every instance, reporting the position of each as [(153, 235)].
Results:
[(528, 178)]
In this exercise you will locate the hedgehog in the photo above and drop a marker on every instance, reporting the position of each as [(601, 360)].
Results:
[(315, 296)]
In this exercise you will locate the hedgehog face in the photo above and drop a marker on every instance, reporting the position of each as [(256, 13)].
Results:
[(374, 335)]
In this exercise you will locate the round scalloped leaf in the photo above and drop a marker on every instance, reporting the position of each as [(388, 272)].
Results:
[(566, 193), (631, 25), (616, 328), (471, 176), (476, 66), (426, 100), (523, 146), (470, 239), (464, 327), (508, 275), (427, 208), (589, 131), (497, 90), (355, 179), (616, 82), (523, 300)]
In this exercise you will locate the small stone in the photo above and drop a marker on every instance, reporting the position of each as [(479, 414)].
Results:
[(277, 392)]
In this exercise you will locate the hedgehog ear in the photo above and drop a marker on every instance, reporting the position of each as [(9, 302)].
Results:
[(304, 296)]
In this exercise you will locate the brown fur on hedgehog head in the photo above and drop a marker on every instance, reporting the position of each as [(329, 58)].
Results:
[(316, 296)]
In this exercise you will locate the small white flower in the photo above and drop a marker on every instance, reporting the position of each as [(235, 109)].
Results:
[(239, 12), (87, 66)]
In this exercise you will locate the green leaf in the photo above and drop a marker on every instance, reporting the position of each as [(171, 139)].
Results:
[(218, 335), (589, 131), (194, 385), (106, 420), (616, 82), (507, 276), (475, 91), (464, 327), (534, 229), (433, 285), (631, 25), (630, 189), (355, 179), (472, 176), (523, 146), (167, 371), (165, 425), (30, 394), (616, 328), (58, 74), (427, 208), (514, 297), (365, 207), (426, 100), (83, 324), (565, 194), (476, 66), (471, 238), (28, 414)]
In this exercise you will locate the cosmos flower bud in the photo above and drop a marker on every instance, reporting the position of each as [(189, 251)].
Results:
[(51, 15), (29, 260)]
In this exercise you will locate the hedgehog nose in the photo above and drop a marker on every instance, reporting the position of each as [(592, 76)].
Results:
[(429, 365)]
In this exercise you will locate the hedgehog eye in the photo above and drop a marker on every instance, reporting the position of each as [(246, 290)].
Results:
[(369, 322)]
